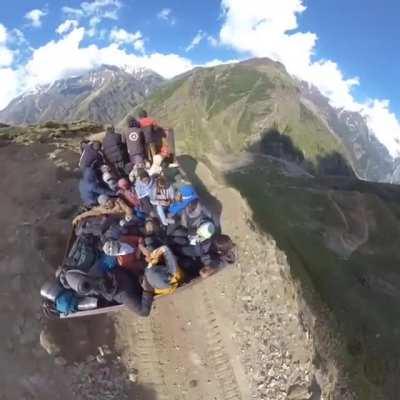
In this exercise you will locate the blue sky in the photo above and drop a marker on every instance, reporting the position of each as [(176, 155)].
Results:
[(363, 37), (346, 48)]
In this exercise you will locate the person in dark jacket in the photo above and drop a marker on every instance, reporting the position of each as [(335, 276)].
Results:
[(148, 126), (90, 188), (114, 150), (209, 256), (137, 297), (134, 139), (90, 155)]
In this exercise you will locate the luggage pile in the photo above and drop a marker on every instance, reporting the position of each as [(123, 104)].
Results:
[(143, 231)]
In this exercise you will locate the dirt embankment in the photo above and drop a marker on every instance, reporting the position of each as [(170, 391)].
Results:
[(242, 334)]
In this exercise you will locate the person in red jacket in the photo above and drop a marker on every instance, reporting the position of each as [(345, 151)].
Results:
[(128, 252), (148, 126)]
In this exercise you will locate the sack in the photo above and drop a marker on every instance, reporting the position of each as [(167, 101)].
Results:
[(67, 303), (82, 255)]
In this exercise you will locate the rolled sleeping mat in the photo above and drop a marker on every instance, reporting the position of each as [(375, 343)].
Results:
[(51, 290), (80, 282), (87, 303)]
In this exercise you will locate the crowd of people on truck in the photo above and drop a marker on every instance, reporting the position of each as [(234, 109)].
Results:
[(143, 230)]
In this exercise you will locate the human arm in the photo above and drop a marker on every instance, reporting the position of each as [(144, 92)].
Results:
[(94, 212), (125, 208)]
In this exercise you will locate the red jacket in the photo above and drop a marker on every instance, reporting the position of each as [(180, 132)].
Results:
[(147, 121), (132, 262)]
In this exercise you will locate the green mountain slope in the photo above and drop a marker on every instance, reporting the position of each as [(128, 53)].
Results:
[(226, 108), (341, 239)]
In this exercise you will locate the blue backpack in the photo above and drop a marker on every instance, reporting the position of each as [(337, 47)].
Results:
[(67, 302)]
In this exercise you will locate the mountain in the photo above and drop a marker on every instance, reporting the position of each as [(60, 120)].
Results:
[(257, 105), (102, 95), (370, 157)]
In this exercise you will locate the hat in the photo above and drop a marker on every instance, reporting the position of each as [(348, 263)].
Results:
[(102, 199), (205, 231), (111, 247), (188, 193)]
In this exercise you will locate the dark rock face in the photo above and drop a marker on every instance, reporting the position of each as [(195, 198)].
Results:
[(103, 95)]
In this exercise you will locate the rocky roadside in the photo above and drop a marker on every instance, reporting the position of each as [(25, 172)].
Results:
[(272, 329)]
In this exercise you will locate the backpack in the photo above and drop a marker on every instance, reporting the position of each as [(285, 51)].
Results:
[(89, 156), (67, 302), (83, 254)]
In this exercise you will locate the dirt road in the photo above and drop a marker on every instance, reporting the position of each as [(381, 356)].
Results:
[(236, 336)]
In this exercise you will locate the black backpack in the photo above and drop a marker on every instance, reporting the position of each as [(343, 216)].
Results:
[(83, 254)]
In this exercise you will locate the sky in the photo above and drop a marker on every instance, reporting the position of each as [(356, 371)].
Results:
[(347, 48)]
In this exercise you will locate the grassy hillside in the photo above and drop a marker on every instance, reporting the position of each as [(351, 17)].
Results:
[(226, 108)]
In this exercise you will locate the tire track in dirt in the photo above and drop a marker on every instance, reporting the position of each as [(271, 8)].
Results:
[(218, 356)]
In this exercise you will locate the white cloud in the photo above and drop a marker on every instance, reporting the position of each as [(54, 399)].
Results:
[(384, 123), (6, 55), (121, 36), (73, 12), (9, 86), (3, 34), (96, 10), (8, 77), (212, 40), (200, 35), (67, 26), (35, 17), (66, 57), (16, 37), (166, 15), (105, 8), (263, 28)]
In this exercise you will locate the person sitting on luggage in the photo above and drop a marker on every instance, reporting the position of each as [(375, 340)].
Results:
[(134, 139), (156, 168), (168, 147), (108, 178), (127, 193), (162, 272), (194, 215), (184, 196), (127, 252), (162, 196), (134, 172), (143, 188), (90, 188), (114, 150), (108, 206), (155, 236), (198, 257), (90, 155), (148, 126)]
